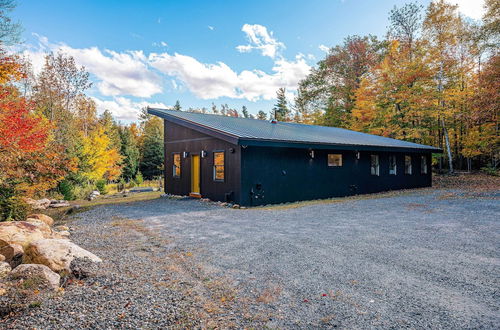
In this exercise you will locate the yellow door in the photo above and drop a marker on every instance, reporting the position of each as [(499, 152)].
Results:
[(195, 174)]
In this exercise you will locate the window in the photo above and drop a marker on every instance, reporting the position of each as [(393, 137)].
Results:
[(375, 167), (334, 159), (219, 165), (423, 165), (407, 164), (392, 165), (176, 169)]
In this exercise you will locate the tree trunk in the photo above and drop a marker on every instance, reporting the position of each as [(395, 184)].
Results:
[(448, 149)]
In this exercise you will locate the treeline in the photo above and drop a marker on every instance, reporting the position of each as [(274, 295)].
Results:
[(52, 141), (435, 79)]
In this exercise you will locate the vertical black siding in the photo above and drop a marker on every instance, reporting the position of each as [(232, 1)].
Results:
[(181, 139), (289, 174)]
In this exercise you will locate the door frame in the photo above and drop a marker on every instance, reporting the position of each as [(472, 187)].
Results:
[(195, 172)]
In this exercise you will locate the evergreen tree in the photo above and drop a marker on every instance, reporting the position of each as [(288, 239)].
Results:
[(130, 154), (244, 111), (177, 105), (152, 149), (280, 110), (261, 115)]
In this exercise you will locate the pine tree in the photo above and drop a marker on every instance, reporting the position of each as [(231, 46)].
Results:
[(152, 149), (261, 115), (177, 106), (130, 154), (280, 110), (244, 111)]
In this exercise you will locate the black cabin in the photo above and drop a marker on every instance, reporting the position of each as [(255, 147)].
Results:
[(255, 162)]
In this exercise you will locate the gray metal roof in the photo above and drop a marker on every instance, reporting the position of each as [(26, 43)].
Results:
[(263, 130)]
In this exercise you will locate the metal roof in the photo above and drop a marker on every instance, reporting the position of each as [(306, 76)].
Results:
[(244, 130)]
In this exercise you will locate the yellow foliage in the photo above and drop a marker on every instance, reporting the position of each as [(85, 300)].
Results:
[(103, 161)]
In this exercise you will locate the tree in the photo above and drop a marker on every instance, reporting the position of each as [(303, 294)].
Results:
[(99, 160), (327, 94), (177, 106), (405, 23), (261, 115), (9, 31), (129, 152), (280, 110), (244, 111), (151, 162)]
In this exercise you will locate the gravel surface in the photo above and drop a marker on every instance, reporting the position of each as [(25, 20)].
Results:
[(420, 259)]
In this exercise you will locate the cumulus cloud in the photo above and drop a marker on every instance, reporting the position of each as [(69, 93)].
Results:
[(259, 38), (125, 73), (123, 108), (209, 81)]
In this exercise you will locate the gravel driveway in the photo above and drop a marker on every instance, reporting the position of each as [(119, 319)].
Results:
[(421, 259)]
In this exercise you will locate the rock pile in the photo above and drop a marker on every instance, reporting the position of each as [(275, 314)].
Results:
[(35, 255)]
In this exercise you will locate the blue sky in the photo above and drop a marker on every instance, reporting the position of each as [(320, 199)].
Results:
[(197, 52)]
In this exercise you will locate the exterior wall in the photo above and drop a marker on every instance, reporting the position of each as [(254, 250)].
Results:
[(180, 139), (290, 174)]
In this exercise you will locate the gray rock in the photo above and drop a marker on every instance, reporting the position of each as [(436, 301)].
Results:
[(36, 276), (4, 269)]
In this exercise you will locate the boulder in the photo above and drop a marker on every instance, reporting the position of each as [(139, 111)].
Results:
[(12, 253), (61, 228), (42, 226), (57, 254), (61, 234), (20, 232), (42, 217), (36, 276), (4, 269), (2, 257)]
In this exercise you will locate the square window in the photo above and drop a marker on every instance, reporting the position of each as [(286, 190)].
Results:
[(408, 169), (176, 169), (375, 166), (423, 165), (334, 159), (219, 165), (392, 165)]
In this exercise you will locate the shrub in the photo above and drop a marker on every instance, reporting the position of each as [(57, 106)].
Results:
[(139, 179), (490, 171), (101, 186), (12, 205), (67, 189)]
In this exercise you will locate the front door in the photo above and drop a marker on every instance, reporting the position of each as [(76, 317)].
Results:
[(195, 175)]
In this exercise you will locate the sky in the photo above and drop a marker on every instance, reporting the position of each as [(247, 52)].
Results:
[(238, 53)]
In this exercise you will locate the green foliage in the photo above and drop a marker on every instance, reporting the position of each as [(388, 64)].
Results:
[(138, 178), (101, 186), (280, 110), (152, 149), (12, 205), (490, 171), (130, 154), (67, 189)]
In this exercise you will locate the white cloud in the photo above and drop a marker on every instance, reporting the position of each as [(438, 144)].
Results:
[(160, 44), (324, 48), (123, 108), (209, 81), (125, 73), (472, 8), (210, 27), (259, 38)]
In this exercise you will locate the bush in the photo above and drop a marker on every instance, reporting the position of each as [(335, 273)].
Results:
[(490, 171), (139, 179), (12, 205), (67, 189), (101, 186)]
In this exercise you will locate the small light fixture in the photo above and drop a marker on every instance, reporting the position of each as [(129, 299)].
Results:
[(203, 154), (185, 154), (231, 150), (311, 153), (358, 155)]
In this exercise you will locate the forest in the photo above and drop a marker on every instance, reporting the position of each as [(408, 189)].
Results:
[(433, 79)]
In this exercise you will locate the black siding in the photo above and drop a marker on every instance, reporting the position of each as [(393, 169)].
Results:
[(180, 139), (290, 174)]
